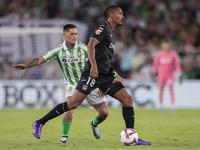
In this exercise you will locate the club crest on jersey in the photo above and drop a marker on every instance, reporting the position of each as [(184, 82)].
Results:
[(79, 53), (84, 87), (112, 46), (98, 31)]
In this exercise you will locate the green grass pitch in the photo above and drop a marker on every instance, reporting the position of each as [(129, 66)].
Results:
[(166, 131)]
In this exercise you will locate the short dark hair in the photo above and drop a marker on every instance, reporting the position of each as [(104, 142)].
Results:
[(110, 9), (68, 26)]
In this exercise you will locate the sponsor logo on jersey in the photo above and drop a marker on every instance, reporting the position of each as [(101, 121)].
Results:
[(112, 46), (165, 60), (71, 60), (98, 31), (84, 87)]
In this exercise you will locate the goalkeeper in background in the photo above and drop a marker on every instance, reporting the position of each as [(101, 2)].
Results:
[(71, 57), (164, 65)]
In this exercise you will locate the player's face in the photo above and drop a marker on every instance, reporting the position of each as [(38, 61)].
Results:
[(71, 35), (118, 16), (165, 46)]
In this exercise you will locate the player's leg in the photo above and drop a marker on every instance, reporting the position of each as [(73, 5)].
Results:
[(127, 111), (67, 116), (171, 90), (66, 123), (84, 87), (119, 92), (116, 89), (73, 103), (161, 85), (102, 111), (127, 107), (172, 98)]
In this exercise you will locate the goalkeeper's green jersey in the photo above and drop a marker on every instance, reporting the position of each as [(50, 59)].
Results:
[(71, 62)]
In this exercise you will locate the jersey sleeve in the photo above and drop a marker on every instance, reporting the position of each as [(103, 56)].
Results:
[(99, 33), (52, 54)]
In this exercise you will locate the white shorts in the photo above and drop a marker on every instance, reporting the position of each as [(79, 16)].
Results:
[(92, 98)]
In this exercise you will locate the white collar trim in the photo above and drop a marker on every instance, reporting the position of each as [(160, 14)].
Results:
[(66, 48)]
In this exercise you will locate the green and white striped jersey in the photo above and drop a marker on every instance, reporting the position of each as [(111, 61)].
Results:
[(71, 62)]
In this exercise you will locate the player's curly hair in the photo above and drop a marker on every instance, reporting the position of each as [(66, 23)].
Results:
[(68, 26), (110, 9)]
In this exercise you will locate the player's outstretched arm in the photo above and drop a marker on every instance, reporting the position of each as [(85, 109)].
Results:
[(35, 62), (91, 55)]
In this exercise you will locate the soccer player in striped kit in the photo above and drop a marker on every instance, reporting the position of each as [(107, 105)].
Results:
[(71, 56), (164, 65)]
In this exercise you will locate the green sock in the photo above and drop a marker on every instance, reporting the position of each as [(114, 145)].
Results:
[(97, 121), (66, 127)]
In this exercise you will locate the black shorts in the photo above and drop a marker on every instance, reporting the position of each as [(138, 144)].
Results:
[(107, 84)]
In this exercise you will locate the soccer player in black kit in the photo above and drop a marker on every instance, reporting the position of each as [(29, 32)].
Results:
[(98, 73)]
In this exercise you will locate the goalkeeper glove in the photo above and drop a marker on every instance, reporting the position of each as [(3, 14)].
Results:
[(180, 79), (154, 77)]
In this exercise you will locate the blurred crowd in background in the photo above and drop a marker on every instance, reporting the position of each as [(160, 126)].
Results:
[(146, 24)]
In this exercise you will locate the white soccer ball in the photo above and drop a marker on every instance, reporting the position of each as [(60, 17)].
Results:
[(129, 137)]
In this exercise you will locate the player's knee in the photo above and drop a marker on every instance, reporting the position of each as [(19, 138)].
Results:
[(75, 106), (70, 112), (67, 116), (129, 101), (106, 113)]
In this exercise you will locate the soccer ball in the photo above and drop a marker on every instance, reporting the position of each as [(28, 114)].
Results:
[(129, 137)]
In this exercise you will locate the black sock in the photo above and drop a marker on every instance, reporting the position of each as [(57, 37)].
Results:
[(128, 115), (93, 124), (56, 111), (65, 136)]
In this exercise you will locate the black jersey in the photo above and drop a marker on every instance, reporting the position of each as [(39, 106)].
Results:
[(104, 35)]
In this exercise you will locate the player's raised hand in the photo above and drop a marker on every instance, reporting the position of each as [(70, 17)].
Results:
[(122, 80), (93, 73), (19, 66)]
